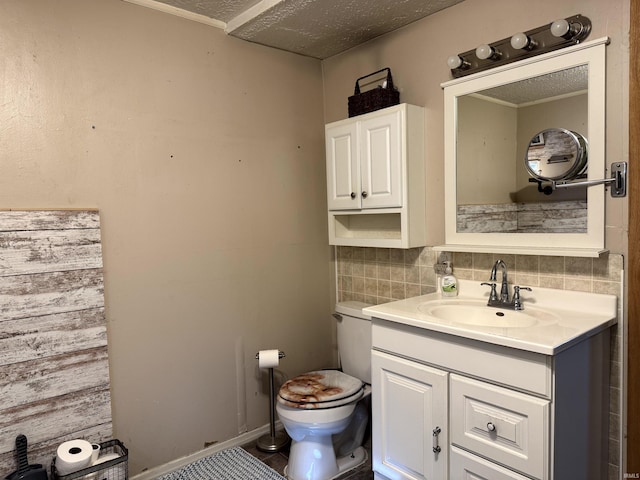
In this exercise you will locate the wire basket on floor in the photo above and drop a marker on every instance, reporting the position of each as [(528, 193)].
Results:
[(113, 464)]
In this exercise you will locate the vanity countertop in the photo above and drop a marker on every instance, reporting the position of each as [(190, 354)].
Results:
[(552, 320)]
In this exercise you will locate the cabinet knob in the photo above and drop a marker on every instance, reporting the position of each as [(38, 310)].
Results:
[(353, 194), (364, 194), (491, 427)]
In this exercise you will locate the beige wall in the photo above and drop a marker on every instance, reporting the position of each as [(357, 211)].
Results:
[(417, 56), (487, 135), (499, 135), (205, 157)]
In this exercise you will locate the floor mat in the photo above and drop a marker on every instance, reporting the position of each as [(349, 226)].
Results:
[(231, 464)]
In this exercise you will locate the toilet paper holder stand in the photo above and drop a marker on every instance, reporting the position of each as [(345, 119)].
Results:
[(273, 441)]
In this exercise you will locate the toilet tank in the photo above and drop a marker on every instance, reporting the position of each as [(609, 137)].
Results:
[(354, 339)]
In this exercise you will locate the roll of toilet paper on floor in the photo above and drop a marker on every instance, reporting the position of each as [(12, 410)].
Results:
[(268, 358), (72, 456)]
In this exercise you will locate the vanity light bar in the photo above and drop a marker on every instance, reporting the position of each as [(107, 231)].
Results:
[(559, 34)]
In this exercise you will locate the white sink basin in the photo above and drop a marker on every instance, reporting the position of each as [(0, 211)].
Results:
[(478, 314), (552, 320)]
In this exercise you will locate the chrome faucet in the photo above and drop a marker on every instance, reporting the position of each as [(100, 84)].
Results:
[(504, 290), (503, 302)]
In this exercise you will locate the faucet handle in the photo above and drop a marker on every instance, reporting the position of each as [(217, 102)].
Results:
[(493, 296), (517, 303)]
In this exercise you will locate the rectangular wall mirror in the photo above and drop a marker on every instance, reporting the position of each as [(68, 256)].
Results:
[(493, 121)]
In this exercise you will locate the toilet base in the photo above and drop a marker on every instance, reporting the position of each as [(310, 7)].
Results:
[(327, 466)]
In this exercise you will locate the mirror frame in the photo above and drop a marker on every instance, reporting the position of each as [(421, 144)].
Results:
[(590, 244)]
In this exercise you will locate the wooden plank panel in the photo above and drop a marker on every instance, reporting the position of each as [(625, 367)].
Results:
[(42, 294), (49, 251), (36, 380), (11, 221), (54, 371), (26, 339), (56, 416), (43, 452)]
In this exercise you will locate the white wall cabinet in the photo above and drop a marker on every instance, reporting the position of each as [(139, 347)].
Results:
[(364, 162), (376, 180), (501, 413)]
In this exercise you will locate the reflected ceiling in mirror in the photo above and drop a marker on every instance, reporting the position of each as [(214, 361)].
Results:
[(490, 120), (543, 87)]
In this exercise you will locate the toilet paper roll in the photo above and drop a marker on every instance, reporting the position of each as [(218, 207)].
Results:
[(268, 358), (95, 453), (72, 456)]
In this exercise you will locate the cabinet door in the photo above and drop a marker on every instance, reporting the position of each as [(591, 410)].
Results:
[(409, 419), (343, 168), (381, 160)]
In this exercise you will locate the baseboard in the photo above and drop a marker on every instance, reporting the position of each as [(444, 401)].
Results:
[(181, 462)]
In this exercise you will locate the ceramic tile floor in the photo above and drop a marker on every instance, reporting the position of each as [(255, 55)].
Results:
[(279, 460)]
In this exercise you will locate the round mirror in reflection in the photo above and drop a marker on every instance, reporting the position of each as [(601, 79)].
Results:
[(556, 154)]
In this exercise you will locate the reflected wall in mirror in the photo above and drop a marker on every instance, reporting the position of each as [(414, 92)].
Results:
[(495, 127), (490, 122)]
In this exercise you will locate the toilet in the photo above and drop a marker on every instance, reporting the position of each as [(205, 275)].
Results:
[(326, 412)]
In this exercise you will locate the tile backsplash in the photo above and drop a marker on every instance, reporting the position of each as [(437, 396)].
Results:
[(380, 275)]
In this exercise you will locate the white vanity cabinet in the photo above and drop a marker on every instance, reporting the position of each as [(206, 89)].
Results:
[(489, 411), (375, 178)]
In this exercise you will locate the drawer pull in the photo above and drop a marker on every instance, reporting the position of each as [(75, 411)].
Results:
[(436, 447), (491, 427)]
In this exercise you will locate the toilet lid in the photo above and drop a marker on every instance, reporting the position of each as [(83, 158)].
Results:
[(320, 389)]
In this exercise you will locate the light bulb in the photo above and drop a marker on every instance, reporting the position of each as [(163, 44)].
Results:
[(520, 41), (560, 28), (454, 61), (485, 51)]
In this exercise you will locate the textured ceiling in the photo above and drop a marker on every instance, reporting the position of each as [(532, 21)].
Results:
[(314, 28)]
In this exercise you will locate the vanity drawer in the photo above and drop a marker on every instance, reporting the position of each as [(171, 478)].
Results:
[(506, 426), (466, 466)]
